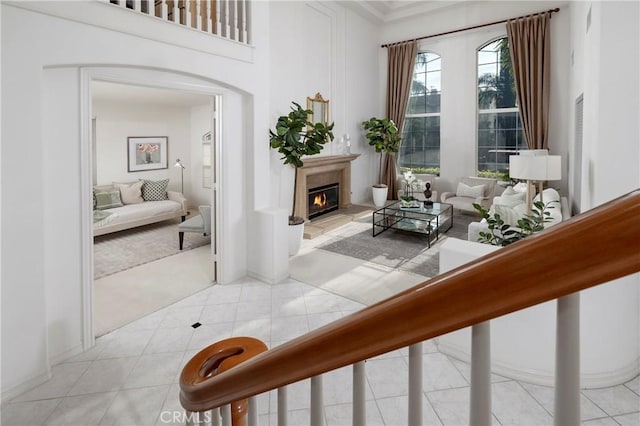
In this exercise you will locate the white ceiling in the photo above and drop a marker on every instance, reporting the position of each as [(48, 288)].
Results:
[(139, 95), (393, 10)]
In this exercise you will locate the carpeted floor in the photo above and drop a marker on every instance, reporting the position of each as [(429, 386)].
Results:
[(123, 250), (396, 249)]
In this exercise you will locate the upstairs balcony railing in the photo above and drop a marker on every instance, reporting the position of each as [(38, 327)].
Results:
[(224, 375), (229, 19)]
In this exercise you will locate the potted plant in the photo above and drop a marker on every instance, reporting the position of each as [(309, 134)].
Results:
[(294, 137), (383, 136)]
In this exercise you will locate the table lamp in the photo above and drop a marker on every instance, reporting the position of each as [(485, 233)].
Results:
[(534, 165)]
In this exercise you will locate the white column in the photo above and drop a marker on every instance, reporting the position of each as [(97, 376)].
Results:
[(282, 406), (480, 405), (317, 406), (415, 385), (567, 386), (359, 417)]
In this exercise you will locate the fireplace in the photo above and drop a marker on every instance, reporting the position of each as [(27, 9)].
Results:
[(323, 199)]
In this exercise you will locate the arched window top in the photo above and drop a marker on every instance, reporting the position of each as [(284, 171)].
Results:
[(496, 86)]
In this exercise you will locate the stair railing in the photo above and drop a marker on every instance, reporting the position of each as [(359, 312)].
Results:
[(552, 264)]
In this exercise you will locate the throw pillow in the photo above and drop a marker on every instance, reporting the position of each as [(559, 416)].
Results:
[(520, 187), (100, 188), (509, 215), (465, 190), (548, 195), (130, 193), (107, 199), (510, 199), (155, 190)]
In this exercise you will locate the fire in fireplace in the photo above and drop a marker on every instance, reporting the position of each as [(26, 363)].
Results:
[(323, 199)]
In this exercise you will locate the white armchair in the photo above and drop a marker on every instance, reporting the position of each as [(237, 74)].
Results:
[(200, 224), (471, 190)]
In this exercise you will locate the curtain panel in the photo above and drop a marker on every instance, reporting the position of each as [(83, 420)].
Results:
[(529, 44), (402, 57)]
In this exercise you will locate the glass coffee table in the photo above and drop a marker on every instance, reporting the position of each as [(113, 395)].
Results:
[(428, 220)]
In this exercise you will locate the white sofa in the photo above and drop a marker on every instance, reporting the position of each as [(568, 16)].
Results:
[(511, 205), (137, 213)]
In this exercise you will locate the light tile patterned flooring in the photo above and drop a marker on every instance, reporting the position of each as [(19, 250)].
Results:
[(131, 376)]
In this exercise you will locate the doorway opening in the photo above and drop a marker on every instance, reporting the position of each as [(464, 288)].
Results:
[(139, 269)]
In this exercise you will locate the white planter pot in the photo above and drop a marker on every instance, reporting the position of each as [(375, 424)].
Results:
[(295, 238), (379, 196)]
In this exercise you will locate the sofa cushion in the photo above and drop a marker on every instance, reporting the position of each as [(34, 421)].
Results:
[(510, 198), (130, 193), (465, 190), (107, 199), (155, 190)]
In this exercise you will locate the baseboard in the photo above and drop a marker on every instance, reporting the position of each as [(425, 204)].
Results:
[(267, 280), (27, 385), (587, 381), (70, 353)]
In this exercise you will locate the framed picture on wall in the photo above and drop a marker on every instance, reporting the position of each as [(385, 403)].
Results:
[(147, 153)]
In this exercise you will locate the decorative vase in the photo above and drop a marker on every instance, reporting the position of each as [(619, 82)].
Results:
[(296, 232), (379, 195)]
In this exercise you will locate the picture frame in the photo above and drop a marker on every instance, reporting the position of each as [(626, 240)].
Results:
[(147, 153)]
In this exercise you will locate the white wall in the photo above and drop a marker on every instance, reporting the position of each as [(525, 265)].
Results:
[(336, 57), (606, 58), (459, 76), (116, 122)]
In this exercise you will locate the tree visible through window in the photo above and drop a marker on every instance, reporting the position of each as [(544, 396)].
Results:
[(420, 146), (499, 127)]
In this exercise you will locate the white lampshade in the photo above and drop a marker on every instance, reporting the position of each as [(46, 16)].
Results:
[(535, 167)]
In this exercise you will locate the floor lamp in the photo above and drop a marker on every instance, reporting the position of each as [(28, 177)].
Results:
[(179, 164), (534, 165)]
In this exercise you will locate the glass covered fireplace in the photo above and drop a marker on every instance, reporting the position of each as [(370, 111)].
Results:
[(323, 199)]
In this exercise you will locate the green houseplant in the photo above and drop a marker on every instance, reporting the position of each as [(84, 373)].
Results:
[(294, 137), (502, 234), (383, 135)]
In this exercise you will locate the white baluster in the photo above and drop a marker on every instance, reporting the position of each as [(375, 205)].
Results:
[(137, 5), (226, 415), (198, 15), (226, 18), (187, 14), (247, 26), (282, 406), (234, 29), (359, 417), (176, 12), (207, 12), (215, 417), (480, 405), (252, 415), (218, 27), (317, 406), (415, 384), (567, 376), (164, 10), (245, 4)]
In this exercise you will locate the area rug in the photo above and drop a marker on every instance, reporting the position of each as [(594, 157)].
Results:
[(123, 250), (399, 250)]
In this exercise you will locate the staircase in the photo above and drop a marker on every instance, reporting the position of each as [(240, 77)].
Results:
[(220, 384)]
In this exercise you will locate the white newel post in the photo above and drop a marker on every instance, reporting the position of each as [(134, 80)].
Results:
[(480, 405)]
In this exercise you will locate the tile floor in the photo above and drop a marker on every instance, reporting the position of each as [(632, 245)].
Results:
[(131, 376)]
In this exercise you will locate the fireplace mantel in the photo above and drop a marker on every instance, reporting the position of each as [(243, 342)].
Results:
[(323, 170)]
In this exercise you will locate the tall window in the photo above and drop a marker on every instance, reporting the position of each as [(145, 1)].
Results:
[(499, 127), (420, 147)]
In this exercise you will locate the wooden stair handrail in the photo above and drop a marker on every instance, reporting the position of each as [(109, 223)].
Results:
[(595, 247)]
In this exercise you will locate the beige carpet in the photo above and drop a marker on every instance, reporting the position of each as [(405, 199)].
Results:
[(356, 279), (129, 295)]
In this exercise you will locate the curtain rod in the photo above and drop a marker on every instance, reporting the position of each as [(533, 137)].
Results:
[(469, 28)]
